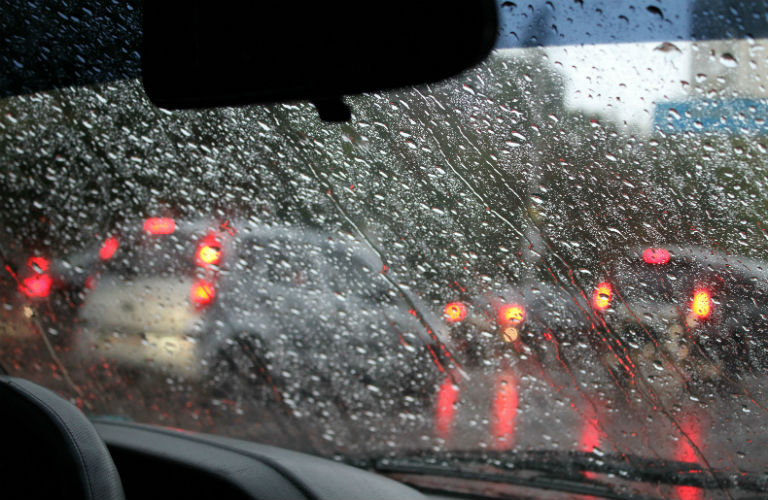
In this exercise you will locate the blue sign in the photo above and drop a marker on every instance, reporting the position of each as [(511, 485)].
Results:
[(537, 23), (731, 116)]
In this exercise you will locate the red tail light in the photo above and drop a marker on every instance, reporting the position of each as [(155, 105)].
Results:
[(159, 225), (511, 314), (202, 293), (209, 254), (37, 286), (209, 251), (602, 297), (701, 305), (108, 248), (656, 256), (455, 312)]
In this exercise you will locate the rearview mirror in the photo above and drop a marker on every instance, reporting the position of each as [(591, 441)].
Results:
[(203, 54)]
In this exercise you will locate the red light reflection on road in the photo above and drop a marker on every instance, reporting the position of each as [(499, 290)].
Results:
[(445, 409), (689, 493), (504, 411), (685, 452), (589, 437)]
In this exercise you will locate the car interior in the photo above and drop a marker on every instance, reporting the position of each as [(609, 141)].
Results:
[(193, 56), (197, 55)]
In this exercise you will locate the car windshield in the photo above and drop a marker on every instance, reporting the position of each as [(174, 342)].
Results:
[(562, 249)]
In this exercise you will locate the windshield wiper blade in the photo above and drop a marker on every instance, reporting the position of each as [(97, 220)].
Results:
[(577, 484), (571, 467)]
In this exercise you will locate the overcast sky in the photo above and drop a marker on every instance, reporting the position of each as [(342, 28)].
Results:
[(623, 81), (608, 51)]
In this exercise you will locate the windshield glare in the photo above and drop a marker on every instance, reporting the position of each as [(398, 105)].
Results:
[(562, 249)]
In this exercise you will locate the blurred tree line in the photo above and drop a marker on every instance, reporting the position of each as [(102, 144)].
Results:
[(477, 182)]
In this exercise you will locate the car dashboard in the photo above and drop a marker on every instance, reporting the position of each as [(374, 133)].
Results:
[(157, 462)]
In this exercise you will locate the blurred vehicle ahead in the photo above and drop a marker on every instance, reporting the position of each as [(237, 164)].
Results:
[(703, 311), (198, 300), (525, 325), (147, 288), (40, 292), (503, 336)]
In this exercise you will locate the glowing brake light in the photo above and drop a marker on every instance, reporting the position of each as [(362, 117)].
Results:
[(159, 225), (656, 256), (602, 296), (701, 305), (37, 286), (209, 251), (202, 293), (455, 312), (511, 314), (209, 254), (108, 248)]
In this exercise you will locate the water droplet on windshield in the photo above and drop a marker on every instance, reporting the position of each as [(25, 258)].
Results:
[(597, 451), (667, 47), (728, 60), (655, 10)]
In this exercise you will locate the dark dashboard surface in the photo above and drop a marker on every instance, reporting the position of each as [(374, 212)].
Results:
[(156, 462)]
